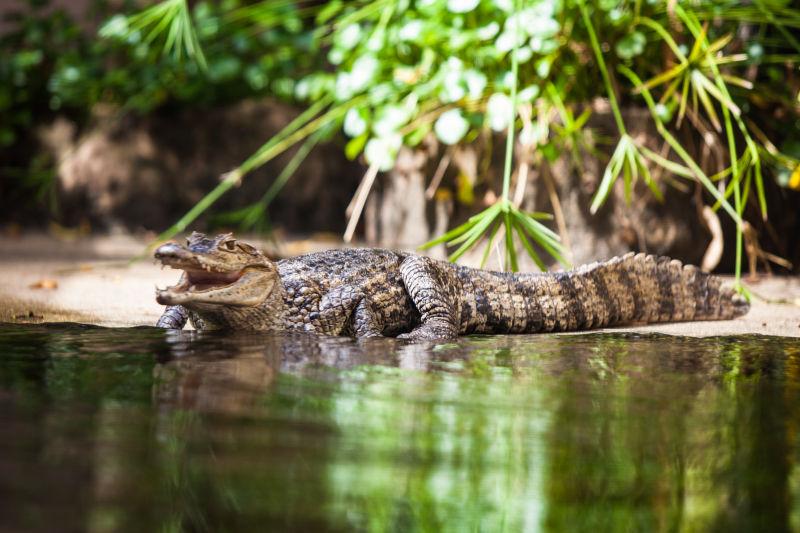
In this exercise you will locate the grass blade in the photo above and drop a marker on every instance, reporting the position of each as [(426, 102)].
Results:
[(510, 249), (610, 175), (672, 166), (488, 248), (476, 234), (648, 178), (528, 248)]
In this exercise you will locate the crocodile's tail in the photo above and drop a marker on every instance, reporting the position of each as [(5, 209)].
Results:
[(646, 288)]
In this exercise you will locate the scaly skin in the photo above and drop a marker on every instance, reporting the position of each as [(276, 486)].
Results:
[(372, 292)]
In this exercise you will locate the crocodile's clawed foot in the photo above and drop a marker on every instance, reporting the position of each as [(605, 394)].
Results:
[(370, 335), (431, 331)]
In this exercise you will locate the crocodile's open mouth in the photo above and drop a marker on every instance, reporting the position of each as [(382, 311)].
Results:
[(230, 276), (197, 280)]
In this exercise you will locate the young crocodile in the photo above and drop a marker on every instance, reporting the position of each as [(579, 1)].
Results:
[(228, 284)]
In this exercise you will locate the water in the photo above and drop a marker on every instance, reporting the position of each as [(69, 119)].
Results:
[(142, 430)]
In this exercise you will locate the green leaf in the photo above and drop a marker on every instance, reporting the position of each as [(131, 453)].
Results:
[(510, 249), (536, 231), (648, 179), (627, 180), (355, 146), (716, 93), (663, 77), (762, 200), (550, 234), (476, 234), (699, 90), (684, 99), (488, 247), (331, 9), (610, 174), (528, 248), (452, 234), (631, 45), (676, 146), (463, 228), (672, 166)]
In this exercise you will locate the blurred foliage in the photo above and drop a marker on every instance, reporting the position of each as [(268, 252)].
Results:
[(50, 63), (392, 73), (404, 70), (48, 58)]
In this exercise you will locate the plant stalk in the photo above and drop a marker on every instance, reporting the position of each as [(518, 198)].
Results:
[(512, 119), (598, 53)]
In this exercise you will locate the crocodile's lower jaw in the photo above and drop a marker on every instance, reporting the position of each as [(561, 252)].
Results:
[(170, 296), (197, 282)]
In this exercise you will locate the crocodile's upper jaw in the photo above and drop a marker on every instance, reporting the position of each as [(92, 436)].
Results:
[(218, 271)]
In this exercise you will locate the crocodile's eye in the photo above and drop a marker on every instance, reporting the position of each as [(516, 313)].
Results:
[(230, 245)]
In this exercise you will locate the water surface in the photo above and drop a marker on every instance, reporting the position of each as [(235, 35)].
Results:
[(146, 430)]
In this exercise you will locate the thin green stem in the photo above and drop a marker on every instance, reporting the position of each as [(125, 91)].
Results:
[(737, 199), (598, 53), (512, 119)]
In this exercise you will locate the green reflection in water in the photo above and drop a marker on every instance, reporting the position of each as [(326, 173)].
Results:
[(141, 430)]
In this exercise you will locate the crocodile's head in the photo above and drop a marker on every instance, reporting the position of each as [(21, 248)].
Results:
[(219, 271)]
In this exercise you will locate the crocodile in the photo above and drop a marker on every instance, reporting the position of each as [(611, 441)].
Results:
[(229, 284)]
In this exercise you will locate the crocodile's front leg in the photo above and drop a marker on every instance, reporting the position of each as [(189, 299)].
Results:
[(344, 303), (174, 317), (435, 293)]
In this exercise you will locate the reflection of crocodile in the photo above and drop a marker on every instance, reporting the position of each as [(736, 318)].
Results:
[(228, 284)]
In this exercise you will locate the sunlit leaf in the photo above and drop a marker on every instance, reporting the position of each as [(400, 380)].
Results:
[(451, 126), (355, 146), (631, 45), (498, 110)]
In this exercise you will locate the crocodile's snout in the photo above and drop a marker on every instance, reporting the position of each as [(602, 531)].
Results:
[(172, 250)]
